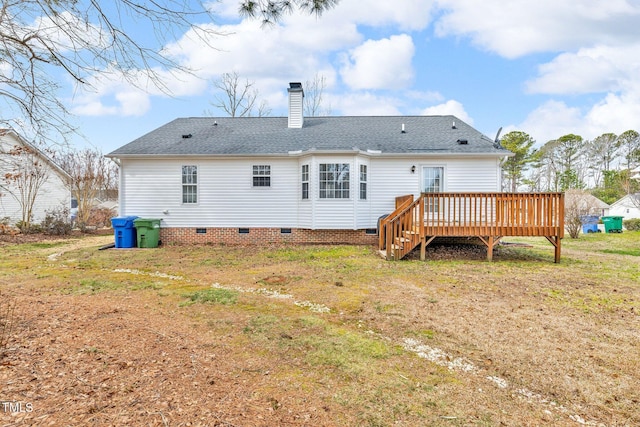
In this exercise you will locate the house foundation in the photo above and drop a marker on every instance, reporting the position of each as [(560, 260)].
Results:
[(261, 236)]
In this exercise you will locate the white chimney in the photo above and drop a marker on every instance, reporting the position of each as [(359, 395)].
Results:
[(296, 95)]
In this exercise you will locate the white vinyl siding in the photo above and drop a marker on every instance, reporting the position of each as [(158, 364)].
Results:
[(53, 194), (227, 198)]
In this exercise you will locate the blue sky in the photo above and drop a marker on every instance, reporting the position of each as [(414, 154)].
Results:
[(545, 67)]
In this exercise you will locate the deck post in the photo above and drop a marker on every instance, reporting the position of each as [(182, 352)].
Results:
[(490, 249)]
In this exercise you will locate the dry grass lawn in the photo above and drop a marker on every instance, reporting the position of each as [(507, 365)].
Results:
[(320, 335)]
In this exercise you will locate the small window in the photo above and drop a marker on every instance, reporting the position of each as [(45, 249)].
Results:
[(334, 181), (305, 182), (363, 182), (261, 175), (189, 184)]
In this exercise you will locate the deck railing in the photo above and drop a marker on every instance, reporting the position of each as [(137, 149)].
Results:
[(489, 216), (494, 214)]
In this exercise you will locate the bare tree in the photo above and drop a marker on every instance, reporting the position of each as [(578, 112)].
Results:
[(238, 98), (84, 39), (313, 97), (89, 170), (110, 185), (578, 203), (25, 172), (629, 143), (600, 155)]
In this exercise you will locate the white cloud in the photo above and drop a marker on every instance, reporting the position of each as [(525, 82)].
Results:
[(517, 28), (105, 95), (595, 69), (380, 64), (612, 71), (549, 121), (615, 113), (406, 15), (452, 107)]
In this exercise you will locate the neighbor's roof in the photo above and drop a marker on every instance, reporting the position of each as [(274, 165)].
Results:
[(246, 136), (19, 139), (586, 198)]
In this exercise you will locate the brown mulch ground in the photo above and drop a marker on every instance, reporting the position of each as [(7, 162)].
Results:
[(81, 360), (87, 359)]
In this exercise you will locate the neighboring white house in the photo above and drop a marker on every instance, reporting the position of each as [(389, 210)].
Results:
[(298, 179), (627, 207), (586, 203), (53, 192)]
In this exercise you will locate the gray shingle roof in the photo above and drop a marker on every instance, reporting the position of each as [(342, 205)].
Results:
[(213, 136)]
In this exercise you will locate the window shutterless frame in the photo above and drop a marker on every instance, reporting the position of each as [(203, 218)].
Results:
[(189, 184)]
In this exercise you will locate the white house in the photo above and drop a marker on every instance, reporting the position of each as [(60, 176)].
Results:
[(52, 193), (295, 178), (627, 207)]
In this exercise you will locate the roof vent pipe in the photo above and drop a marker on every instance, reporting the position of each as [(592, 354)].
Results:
[(453, 125), (403, 131)]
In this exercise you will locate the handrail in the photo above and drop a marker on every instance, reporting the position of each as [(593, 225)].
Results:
[(402, 202), (403, 230)]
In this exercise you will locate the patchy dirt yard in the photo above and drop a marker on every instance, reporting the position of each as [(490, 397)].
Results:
[(319, 336)]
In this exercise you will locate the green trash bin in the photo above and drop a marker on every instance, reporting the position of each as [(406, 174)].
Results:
[(148, 232), (612, 224)]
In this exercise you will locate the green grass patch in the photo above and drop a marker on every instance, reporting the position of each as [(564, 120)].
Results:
[(630, 252), (213, 296), (93, 286)]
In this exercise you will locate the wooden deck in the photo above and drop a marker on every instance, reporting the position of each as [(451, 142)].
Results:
[(487, 216)]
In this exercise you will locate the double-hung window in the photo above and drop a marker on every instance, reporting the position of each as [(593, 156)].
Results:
[(261, 175), (334, 180), (189, 184), (363, 182), (305, 182)]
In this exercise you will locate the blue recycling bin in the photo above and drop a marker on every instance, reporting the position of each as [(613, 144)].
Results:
[(124, 231), (589, 223)]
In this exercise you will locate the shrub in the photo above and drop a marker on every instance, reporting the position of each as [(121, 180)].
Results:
[(5, 227), (57, 222), (28, 227), (632, 224), (100, 217)]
